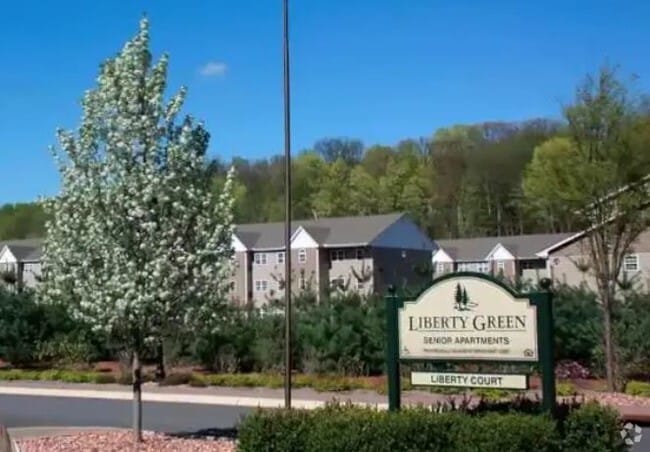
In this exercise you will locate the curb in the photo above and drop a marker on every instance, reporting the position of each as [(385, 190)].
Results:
[(641, 416), (249, 402)]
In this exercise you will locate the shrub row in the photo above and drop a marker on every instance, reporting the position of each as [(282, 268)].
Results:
[(590, 428), (341, 334)]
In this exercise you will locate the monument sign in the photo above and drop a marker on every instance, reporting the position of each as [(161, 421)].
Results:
[(470, 317)]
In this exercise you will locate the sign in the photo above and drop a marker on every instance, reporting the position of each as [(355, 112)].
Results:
[(467, 380), (471, 317), (468, 318)]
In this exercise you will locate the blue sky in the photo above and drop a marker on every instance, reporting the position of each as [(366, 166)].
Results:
[(377, 70)]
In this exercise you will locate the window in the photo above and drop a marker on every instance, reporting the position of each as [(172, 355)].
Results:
[(337, 283), (529, 265), (302, 255), (482, 267), (261, 285), (260, 258), (440, 269), (337, 255), (631, 263), (280, 257), (360, 285), (360, 253), (501, 266)]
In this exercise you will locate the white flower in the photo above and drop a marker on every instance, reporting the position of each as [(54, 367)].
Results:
[(116, 246)]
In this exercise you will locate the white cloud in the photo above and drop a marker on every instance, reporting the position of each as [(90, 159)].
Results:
[(213, 69)]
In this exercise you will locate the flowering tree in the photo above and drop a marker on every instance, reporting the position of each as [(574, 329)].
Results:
[(137, 237)]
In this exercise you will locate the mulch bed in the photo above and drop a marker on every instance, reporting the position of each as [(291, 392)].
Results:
[(120, 441)]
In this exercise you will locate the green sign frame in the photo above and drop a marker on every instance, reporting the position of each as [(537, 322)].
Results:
[(542, 300)]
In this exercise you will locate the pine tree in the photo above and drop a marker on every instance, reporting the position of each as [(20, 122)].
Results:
[(138, 240), (465, 300), (459, 298)]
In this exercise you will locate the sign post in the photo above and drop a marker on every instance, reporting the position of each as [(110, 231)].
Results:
[(471, 317)]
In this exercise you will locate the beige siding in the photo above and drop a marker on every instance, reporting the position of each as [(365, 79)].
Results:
[(31, 274), (265, 274), (272, 274), (508, 268), (239, 294), (354, 266), (571, 265), (322, 255)]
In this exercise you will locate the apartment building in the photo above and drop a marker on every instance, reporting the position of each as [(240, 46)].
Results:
[(20, 262), (564, 258), (513, 257), (568, 262), (363, 254)]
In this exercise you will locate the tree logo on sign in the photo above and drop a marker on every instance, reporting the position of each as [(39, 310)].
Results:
[(462, 301)]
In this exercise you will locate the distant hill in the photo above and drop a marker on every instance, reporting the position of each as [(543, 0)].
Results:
[(21, 221)]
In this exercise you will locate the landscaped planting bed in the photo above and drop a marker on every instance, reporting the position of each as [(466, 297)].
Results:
[(121, 441)]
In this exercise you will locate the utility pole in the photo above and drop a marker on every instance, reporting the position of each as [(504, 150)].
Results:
[(288, 365)]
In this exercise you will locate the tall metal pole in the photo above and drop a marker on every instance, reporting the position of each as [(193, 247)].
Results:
[(287, 221)]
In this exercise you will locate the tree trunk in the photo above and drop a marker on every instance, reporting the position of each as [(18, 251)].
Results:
[(137, 398), (161, 372), (611, 362)]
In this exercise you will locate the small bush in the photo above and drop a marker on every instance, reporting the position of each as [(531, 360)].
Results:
[(492, 394), (506, 432), (638, 388), (126, 378), (104, 378), (17, 374), (578, 330), (197, 382), (571, 369), (275, 431), (565, 389), (64, 350), (176, 379), (593, 428)]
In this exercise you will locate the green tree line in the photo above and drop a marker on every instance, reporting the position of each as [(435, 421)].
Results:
[(491, 178)]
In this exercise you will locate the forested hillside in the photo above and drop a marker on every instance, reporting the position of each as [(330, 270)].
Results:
[(492, 178)]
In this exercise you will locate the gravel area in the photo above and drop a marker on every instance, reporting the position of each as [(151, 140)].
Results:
[(618, 399), (121, 441)]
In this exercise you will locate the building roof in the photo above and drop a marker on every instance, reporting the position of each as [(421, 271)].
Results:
[(24, 250), (520, 246), (337, 231), (360, 230)]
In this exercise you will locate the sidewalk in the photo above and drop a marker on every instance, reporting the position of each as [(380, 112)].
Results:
[(634, 409)]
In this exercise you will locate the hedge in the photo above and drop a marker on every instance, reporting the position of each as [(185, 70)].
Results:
[(590, 428), (342, 334)]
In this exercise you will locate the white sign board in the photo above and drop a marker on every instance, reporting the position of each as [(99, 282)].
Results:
[(500, 381), (468, 318)]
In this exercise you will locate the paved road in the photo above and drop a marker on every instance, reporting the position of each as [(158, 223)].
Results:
[(30, 411)]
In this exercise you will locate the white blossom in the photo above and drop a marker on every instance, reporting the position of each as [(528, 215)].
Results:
[(137, 240)]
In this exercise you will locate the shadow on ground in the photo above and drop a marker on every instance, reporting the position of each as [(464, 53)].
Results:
[(208, 433)]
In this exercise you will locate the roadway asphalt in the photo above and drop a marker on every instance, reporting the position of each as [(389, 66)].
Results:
[(38, 411)]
